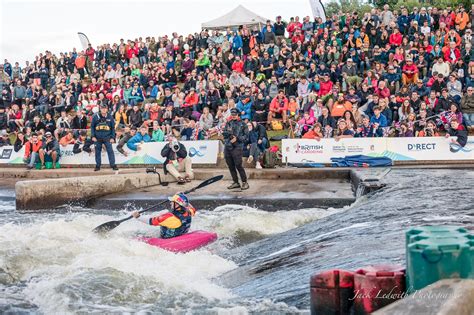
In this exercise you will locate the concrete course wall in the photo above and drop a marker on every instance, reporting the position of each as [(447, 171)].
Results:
[(85, 186), (81, 186), (49, 193)]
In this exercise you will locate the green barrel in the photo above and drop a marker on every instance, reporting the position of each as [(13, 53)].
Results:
[(435, 258), (439, 231)]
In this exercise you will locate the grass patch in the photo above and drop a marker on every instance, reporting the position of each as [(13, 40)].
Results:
[(276, 133)]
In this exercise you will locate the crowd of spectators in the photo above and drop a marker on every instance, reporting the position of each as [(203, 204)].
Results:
[(386, 73)]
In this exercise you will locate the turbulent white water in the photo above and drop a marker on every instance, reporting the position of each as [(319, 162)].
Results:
[(52, 263)]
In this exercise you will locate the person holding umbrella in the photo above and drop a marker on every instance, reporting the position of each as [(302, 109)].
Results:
[(235, 136)]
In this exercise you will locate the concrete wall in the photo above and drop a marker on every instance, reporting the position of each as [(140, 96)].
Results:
[(50, 193), (445, 297), (82, 186)]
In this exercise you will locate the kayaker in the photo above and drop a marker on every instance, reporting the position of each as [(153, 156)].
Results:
[(174, 223)]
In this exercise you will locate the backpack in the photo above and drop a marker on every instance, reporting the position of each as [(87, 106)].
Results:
[(277, 125), (270, 158)]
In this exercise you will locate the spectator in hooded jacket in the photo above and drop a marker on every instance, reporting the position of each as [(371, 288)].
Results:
[(136, 142), (278, 108), (245, 108)]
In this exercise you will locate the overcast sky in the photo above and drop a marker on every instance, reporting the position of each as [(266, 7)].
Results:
[(29, 27)]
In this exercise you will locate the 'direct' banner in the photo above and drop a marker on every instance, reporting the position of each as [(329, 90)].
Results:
[(201, 152), (428, 149), (398, 149)]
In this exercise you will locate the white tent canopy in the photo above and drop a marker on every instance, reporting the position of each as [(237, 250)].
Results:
[(238, 16)]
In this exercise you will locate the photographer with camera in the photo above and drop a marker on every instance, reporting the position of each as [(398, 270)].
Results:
[(429, 130), (177, 160), (235, 134)]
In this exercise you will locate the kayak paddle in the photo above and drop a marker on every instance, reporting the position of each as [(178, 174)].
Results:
[(107, 226)]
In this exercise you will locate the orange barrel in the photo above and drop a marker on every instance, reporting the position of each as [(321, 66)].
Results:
[(332, 292), (377, 286)]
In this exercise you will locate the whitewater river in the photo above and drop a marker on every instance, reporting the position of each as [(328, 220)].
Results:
[(52, 263)]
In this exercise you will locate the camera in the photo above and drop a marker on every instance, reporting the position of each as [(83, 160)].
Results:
[(151, 170), (175, 146)]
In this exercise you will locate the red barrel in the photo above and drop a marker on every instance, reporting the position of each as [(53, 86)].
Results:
[(377, 286), (332, 292)]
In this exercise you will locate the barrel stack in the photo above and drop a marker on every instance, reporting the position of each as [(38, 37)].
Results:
[(433, 253)]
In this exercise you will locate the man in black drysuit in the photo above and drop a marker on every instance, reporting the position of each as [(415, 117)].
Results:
[(235, 136)]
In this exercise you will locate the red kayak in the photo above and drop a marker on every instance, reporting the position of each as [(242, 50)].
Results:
[(184, 243)]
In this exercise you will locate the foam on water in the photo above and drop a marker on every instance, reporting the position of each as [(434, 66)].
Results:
[(52, 262), (227, 220), (47, 255)]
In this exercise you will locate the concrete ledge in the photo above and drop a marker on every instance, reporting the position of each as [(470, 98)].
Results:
[(445, 297), (280, 173), (20, 173), (49, 193), (271, 189)]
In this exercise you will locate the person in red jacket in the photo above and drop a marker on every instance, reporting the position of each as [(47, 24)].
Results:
[(396, 38), (297, 37), (325, 86), (452, 54), (238, 65), (32, 148), (80, 64), (409, 72), (293, 26), (132, 49), (382, 91), (278, 108), (192, 98), (90, 53)]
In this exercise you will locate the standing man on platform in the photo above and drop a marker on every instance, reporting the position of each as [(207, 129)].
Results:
[(235, 136), (103, 133)]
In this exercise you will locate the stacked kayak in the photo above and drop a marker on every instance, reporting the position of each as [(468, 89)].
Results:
[(184, 243)]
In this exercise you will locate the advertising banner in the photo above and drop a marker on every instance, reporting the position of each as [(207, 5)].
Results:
[(428, 149), (398, 149), (201, 152), (313, 151)]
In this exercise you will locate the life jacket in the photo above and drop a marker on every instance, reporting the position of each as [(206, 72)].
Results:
[(185, 218), (102, 125)]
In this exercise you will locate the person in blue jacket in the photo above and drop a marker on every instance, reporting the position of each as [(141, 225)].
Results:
[(103, 134), (245, 108), (141, 137), (403, 22), (237, 44), (378, 119)]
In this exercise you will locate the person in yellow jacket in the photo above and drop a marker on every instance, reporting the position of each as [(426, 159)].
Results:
[(121, 119), (462, 19), (362, 39)]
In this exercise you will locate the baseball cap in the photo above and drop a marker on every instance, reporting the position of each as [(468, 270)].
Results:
[(103, 106), (234, 111), (48, 134)]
